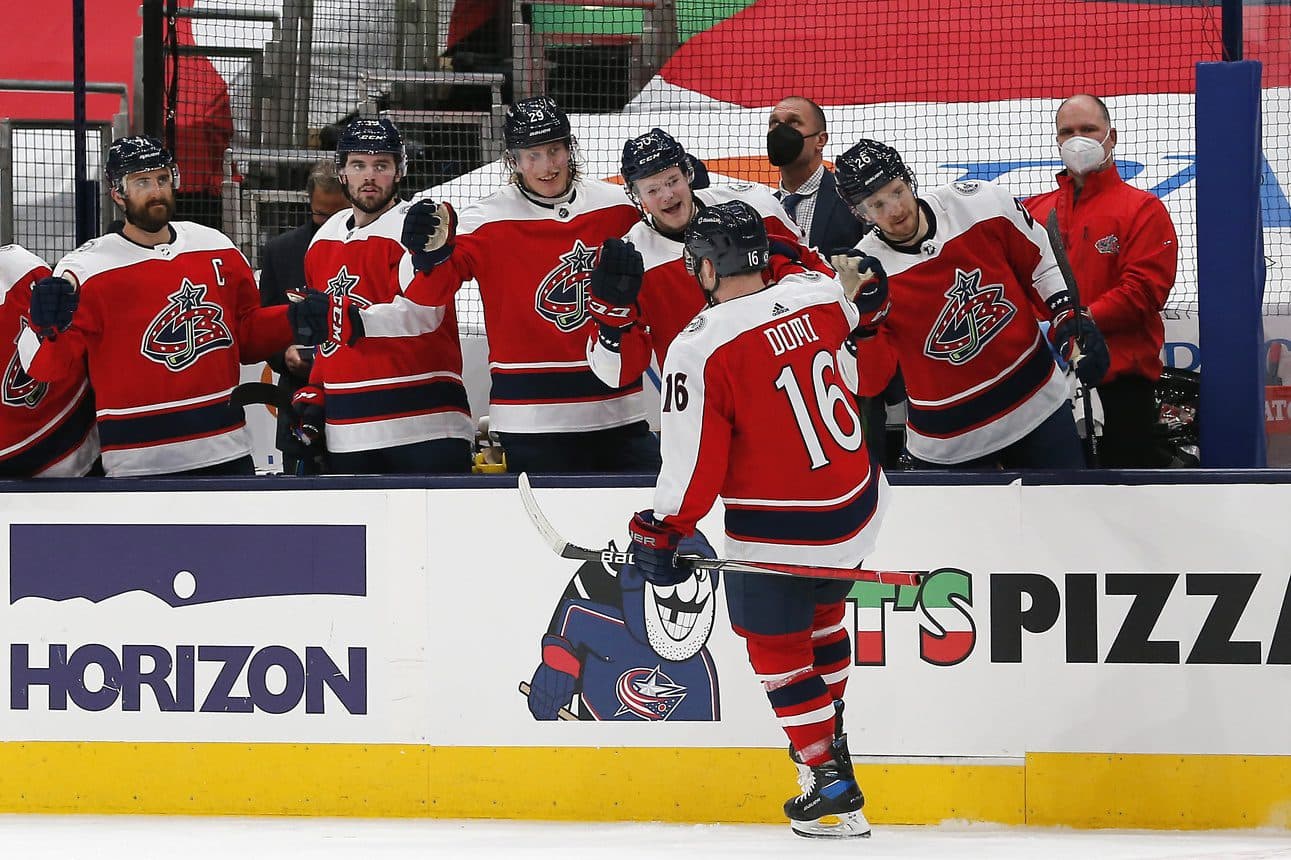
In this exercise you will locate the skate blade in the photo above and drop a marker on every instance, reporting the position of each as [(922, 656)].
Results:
[(850, 825)]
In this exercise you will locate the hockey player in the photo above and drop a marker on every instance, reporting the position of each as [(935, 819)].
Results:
[(642, 295), (958, 277), (759, 372), (46, 430), (531, 247), (159, 313), (394, 403)]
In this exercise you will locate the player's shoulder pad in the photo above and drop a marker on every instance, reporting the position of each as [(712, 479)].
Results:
[(695, 326), (755, 194), (16, 261), (505, 204)]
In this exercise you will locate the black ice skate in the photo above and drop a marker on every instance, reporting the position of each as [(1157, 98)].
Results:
[(829, 790)]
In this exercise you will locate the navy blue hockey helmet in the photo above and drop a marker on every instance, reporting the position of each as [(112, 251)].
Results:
[(372, 136), (135, 154), (535, 121), (651, 153), (730, 234), (867, 167)]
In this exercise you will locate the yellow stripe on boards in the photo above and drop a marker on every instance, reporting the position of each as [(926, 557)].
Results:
[(611, 784), (1183, 792)]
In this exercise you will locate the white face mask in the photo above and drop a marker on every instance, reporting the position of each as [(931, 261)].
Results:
[(1084, 154)]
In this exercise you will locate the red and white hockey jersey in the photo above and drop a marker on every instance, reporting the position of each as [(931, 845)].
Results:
[(46, 428), (753, 410), (978, 372), (404, 383), (533, 263), (161, 332), (670, 296)]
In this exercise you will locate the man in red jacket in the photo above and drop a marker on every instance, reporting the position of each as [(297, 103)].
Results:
[(1123, 251)]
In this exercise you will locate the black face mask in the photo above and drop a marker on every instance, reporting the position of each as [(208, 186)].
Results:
[(785, 143)]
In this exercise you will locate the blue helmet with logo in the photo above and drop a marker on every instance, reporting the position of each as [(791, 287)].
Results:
[(730, 234), (372, 136), (135, 154)]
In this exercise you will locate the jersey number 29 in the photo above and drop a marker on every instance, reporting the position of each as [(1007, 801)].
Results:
[(829, 399)]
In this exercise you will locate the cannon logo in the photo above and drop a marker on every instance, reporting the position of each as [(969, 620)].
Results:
[(183, 565)]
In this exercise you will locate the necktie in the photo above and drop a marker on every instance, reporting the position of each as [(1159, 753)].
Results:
[(790, 204)]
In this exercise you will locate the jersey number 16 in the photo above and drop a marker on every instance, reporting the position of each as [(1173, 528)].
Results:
[(829, 399)]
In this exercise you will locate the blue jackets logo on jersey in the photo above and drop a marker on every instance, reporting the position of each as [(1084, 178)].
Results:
[(562, 295), (19, 389), (188, 327), (648, 693), (342, 286), (973, 316)]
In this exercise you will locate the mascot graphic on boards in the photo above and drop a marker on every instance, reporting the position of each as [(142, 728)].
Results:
[(619, 648)]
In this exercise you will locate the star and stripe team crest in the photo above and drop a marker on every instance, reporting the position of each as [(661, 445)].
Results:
[(18, 388), (187, 328), (973, 316), (648, 693), (562, 295)]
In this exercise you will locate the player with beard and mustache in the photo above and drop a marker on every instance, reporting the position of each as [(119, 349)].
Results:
[(394, 404), (158, 314)]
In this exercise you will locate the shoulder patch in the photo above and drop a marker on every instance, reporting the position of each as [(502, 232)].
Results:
[(695, 325), (967, 186), (811, 275), (741, 186)]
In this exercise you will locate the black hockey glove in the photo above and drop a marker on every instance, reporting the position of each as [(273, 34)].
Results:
[(429, 230), (307, 404), (1077, 339), (317, 318), (555, 679), (53, 303), (616, 283), (654, 549)]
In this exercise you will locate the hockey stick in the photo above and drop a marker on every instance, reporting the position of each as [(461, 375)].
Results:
[(265, 393), (1069, 277), (564, 713), (614, 557)]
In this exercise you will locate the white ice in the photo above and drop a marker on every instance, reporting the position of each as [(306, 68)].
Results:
[(32, 837)]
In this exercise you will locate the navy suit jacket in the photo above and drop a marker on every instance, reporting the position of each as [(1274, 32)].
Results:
[(833, 225), (283, 269)]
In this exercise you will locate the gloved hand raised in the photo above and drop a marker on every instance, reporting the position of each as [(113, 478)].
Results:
[(53, 304), (429, 230), (616, 283), (866, 284)]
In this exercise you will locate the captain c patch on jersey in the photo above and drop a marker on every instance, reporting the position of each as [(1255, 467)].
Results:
[(973, 315), (187, 327)]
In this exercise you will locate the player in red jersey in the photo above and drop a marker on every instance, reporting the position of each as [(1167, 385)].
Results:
[(394, 403), (46, 430), (531, 247), (642, 295), (758, 374), (160, 313), (960, 274)]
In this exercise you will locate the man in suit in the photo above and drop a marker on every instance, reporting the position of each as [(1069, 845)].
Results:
[(283, 262), (796, 138)]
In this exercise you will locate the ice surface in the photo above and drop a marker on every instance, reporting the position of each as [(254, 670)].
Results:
[(34, 837)]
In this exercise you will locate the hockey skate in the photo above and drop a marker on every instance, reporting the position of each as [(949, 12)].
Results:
[(831, 801)]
